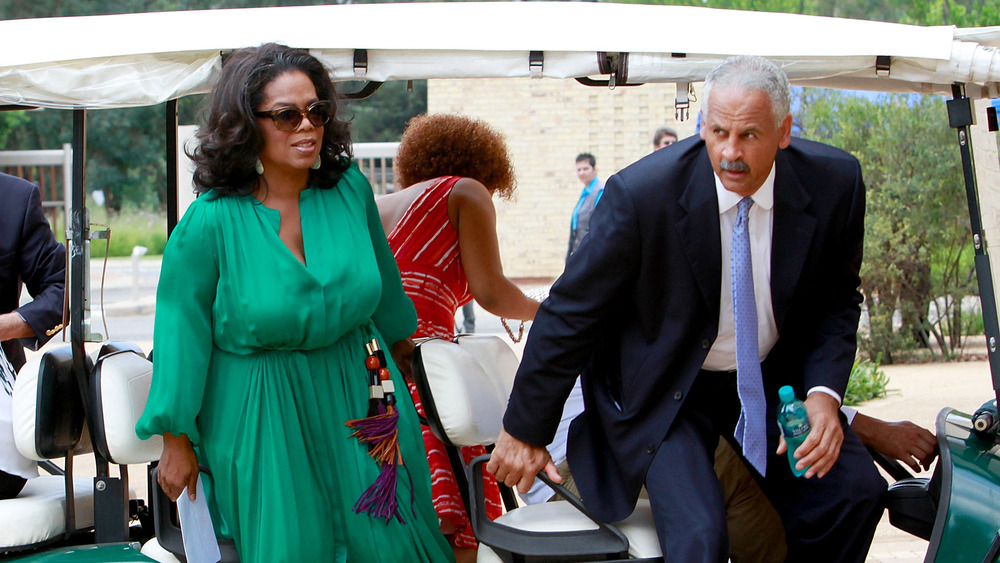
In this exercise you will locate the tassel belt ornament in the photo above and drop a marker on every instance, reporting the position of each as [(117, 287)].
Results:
[(379, 431)]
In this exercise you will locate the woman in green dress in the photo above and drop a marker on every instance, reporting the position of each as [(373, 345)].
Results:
[(271, 286)]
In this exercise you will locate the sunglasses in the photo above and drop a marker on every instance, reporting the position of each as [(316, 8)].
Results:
[(288, 119)]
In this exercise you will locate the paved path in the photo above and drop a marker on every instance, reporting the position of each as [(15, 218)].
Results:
[(916, 392)]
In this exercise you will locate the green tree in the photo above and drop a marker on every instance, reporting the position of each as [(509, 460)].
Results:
[(383, 116), (964, 13), (10, 121), (968, 13), (917, 229), (125, 147)]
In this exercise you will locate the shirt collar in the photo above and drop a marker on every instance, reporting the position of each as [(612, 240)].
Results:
[(763, 197)]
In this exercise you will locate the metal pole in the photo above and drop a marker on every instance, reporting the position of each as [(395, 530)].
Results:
[(960, 117), (110, 519), (171, 123), (79, 235)]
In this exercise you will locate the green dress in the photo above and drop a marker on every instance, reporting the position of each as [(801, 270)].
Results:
[(260, 360)]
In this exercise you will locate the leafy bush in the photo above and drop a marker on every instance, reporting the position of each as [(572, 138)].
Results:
[(917, 229), (867, 382)]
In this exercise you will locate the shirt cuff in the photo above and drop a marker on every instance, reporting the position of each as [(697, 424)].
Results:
[(849, 413), (828, 391)]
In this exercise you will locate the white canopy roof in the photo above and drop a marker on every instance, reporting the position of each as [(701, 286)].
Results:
[(142, 59)]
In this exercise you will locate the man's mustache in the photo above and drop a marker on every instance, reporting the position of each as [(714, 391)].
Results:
[(734, 166)]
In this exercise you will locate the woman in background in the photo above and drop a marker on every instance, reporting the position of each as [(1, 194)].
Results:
[(272, 285), (442, 230)]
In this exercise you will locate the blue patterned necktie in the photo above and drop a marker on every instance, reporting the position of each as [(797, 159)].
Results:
[(750, 430)]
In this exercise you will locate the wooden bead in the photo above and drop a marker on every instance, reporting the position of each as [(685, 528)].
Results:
[(371, 362), (383, 374)]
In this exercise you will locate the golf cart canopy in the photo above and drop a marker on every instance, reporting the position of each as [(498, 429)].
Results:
[(148, 58)]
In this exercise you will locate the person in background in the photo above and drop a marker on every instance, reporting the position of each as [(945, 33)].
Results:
[(30, 257), (664, 137), (442, 230), (593, 188), (274, 286), (469, 318)]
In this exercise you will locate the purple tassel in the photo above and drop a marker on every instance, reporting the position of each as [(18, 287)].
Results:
[(380, 433)]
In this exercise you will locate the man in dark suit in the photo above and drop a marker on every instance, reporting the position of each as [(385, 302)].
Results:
[(653, 311), (29, 255)]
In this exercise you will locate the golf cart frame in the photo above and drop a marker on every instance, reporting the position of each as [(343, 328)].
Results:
[(139, 59)]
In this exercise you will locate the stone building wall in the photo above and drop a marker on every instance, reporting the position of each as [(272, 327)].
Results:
[(547, 123)]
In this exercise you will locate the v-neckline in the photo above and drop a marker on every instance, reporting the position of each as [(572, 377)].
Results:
[(274, 217)]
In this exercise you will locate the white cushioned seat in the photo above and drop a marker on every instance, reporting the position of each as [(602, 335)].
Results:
[(48, 421), (464, 386), (121, 387), (157, 552), (560, 516), (48, 414), (468, 385), (38, 514)]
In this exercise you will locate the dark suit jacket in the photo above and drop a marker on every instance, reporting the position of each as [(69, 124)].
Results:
[(28, 254), (637, 308)]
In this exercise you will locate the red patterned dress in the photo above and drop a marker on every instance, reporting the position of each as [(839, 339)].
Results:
[(425, 245)]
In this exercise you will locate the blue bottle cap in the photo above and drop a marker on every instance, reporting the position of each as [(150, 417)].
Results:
[(786, 394)]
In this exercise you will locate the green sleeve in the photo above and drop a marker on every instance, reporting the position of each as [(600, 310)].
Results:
[(182, 331), (395, 317)]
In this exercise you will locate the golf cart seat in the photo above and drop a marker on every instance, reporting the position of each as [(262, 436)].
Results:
[(911, 502), (464, 386), (120, 384), (48, 423)]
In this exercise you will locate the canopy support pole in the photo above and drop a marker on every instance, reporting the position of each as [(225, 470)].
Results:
[(171, 149), (110, 519), (961, 117)]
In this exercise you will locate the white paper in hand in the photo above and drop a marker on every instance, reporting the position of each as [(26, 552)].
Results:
[(200, 545)]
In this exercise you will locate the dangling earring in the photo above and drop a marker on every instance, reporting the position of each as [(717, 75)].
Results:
[(259, 167), (316, 165)]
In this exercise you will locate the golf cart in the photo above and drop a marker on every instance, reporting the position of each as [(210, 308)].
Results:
[(145, 59)]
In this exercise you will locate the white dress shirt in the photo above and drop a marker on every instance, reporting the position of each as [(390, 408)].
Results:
[(722, 355)]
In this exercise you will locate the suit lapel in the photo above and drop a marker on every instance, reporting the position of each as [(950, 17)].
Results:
[(698, 228), (791, 237)]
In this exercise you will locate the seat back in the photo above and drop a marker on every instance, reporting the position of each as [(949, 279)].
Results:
[(464, 386), (48, 411), (48, 418), (120, 384)]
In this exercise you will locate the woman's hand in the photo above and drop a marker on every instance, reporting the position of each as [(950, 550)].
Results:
[(178, 467), (402, 354)]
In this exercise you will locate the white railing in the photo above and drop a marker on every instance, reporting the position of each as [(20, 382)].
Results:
[(39, 167), (375, 161)]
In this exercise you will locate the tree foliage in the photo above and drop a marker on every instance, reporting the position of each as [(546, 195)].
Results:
[(917, 229), (383, 116), (125, 147), (963, 13), (917, 226)]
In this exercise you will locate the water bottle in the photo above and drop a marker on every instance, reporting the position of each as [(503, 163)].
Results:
[(794, 424)]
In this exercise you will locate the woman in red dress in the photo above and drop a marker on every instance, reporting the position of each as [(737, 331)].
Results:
[(442, 231)]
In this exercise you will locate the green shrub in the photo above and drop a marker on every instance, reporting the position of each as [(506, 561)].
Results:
[(867, 382)]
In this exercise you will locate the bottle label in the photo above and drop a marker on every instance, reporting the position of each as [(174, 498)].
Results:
[(793, 430)]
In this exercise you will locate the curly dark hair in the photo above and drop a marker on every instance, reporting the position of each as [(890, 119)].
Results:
[(230, 140), (454, 145)]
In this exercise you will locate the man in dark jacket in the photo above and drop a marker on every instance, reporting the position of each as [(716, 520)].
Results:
[(29, 256), (713, 274)]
